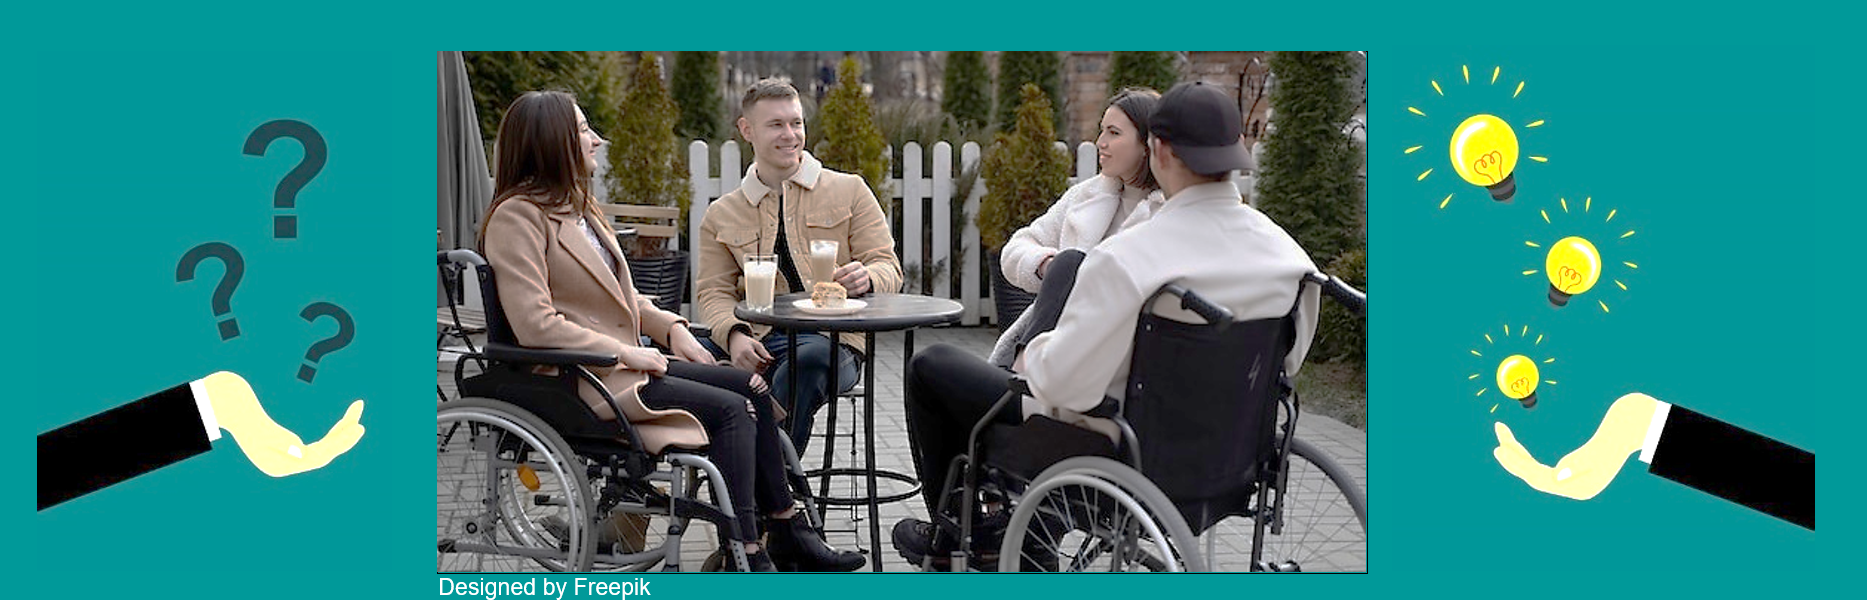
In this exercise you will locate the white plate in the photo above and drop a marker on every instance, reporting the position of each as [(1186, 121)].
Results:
[(849, 306)]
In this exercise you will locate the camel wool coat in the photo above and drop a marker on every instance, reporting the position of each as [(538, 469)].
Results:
[(557, 293)]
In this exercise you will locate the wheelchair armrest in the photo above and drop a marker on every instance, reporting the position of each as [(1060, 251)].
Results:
[(1019, 385), (561, 357), (700, 331), (1016, 390), (459, 256)]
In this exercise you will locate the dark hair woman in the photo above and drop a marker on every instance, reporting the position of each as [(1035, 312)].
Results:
[(1122, 195), (563, 284)]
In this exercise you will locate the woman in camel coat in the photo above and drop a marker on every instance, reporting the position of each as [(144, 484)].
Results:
[(563, 284)]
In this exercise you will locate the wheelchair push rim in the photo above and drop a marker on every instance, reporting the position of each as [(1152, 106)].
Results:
[(1094, 514)]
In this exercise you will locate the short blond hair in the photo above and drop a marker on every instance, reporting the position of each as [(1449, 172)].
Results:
[(765, 89)]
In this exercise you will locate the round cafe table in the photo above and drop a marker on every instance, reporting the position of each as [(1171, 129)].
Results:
[(884, 313)]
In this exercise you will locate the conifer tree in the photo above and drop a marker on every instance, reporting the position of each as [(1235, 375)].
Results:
[(1146, 69), (696, 91), (848, 138), (966, 90), (1024, 170)]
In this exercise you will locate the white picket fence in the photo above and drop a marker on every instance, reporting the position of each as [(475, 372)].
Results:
[(914, 189)]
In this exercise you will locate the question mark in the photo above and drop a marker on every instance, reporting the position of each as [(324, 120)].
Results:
[(223, 293), (286, 195), (345, 331)]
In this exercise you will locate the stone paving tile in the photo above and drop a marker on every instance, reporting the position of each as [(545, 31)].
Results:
[(1231, 538)]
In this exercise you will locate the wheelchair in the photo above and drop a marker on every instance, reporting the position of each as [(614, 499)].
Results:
[(527, 473), (1208, 450)]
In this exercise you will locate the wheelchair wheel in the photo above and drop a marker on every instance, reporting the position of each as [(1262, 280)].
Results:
[(1317, 522), (1092, 514), (510, 492)]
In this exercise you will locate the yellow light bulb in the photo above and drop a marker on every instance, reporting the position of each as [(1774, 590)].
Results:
[(1517, 378), (1573, 266), (1485, 154)]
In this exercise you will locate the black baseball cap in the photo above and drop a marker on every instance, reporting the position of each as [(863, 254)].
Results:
[(1203, 126)]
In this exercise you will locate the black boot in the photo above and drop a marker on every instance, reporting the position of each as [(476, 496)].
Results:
[(796, 547)]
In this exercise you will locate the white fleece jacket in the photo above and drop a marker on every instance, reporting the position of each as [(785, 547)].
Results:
[(1077, 220)]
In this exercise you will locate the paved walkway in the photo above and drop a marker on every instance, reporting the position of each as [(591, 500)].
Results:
[(1347, 445)]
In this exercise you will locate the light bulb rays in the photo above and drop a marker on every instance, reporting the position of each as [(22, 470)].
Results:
[(1573, 264), (1483, 149), (1515, 375)]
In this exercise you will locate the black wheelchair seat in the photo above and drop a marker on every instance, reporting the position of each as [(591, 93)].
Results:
[(1025, 450)]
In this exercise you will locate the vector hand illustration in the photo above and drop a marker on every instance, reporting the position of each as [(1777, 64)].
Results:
[(1681, 445), (271, 447), (175, 424), (1583, 473)]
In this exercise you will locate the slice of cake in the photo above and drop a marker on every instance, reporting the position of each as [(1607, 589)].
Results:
[(828, 295)]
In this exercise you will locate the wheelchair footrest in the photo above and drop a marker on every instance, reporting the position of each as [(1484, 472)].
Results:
[(692, 509)]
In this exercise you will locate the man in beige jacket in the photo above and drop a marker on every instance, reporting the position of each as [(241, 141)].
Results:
[(786, 200)]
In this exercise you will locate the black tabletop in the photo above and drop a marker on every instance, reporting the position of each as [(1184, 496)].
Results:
[(886, 312)]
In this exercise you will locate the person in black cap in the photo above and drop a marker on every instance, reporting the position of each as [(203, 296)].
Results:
[(1204, 238)]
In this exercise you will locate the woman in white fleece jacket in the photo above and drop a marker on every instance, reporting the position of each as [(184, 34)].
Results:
[(1123, 194)]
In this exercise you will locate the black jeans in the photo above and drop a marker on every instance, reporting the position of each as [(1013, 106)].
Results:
[(745, 447), (950, 390), (813, 376)]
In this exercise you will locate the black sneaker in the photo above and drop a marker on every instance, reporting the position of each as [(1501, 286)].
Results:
[(917, 540)]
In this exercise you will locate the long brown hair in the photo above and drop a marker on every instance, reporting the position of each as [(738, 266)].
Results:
[(539, 156), (1138, 104)]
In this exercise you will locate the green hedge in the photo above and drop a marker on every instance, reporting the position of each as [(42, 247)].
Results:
[(1342, 335)]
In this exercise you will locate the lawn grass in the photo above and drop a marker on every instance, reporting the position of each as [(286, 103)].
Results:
[(1337, 389)]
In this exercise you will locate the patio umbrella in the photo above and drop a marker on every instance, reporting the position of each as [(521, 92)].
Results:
[(465, 186)]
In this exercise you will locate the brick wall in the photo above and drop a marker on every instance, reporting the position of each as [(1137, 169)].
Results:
[(1086, 86)]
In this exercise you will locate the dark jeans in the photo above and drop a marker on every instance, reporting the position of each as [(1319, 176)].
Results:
[(745, 447), (813, 377), (950, 390)]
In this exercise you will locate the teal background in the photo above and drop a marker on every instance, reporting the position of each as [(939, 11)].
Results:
[(1734, 152), (132, 176), (1741, 178)]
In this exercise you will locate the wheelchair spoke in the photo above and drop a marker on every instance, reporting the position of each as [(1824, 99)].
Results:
[(1082, 522), (1318, 524), (510, 496)]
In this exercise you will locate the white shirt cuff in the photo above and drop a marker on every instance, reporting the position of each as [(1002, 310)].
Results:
[(1654, 428), (200, 392)]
